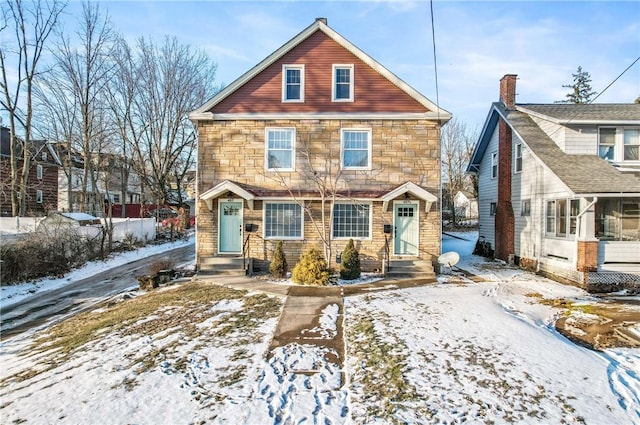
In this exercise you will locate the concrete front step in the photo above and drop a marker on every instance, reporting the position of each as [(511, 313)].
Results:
[(411, 268), (229, 266)]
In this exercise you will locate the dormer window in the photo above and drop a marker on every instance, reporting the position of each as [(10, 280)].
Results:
[(293, 83), (619, 143), (632, 145), (607, 143), (342, 83)]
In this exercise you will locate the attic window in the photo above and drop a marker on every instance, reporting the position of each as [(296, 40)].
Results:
[(44, 156), (293, 83), (342, 83)]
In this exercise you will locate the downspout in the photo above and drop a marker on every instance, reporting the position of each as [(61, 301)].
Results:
[(578, 221)]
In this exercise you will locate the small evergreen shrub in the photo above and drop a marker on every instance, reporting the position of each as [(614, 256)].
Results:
[(278, 266), (350, 264), (311, 269)]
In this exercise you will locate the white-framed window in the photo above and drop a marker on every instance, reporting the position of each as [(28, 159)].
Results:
[(574, 210), (39, 171), (607, 143), (283, 220), (44, 156), (517, 163), (342, 88), (355, 149), (39, 198), (619, 143), (562, 217), (631, 140), (551, 217), (494, 165), (280, 149), (351, 221), (293, 83), (525, 208), (492, 208)]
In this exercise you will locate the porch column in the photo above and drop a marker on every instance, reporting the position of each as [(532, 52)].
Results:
[(587, 243)]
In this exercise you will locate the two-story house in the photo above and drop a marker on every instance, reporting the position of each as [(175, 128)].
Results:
[(315, 145), (41, 190), (559, 188)]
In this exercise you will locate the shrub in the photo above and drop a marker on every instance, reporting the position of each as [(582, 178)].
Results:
[(43, 254), (350, 264), (157, 266), (311, 270), (278, 266)]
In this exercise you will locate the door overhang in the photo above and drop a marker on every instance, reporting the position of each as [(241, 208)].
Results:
[(409, 188), (225, 187)]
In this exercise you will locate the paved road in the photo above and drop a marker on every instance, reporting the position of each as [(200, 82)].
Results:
[(52, 306)]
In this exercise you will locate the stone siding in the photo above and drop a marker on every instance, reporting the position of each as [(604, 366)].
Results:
[(402, 151)]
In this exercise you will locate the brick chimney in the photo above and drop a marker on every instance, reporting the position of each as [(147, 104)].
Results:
[(504, 219), (508, 90)]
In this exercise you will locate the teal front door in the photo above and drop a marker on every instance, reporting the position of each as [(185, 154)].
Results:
[(230, 229), (405, 234)]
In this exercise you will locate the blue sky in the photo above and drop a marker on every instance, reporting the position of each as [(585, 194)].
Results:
[(476, 42)]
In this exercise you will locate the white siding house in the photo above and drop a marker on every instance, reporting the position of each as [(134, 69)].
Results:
[(572, 196)]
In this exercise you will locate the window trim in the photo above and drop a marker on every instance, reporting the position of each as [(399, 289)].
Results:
[(618, 143), (369, 148), (334, 83), (567, 221), (494, 165), (525, 208), (517, 163), (39, 197), (369, 237), (39, 172), (493, 207), (624, 145), (266, 148), (285, 68), (283, 238)]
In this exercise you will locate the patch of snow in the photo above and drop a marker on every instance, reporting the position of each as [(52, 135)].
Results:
[(11, 294)]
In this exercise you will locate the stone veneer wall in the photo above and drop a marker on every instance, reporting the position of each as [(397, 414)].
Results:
[(402, 151)]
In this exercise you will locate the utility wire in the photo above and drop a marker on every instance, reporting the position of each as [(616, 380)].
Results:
[(435, 62), (616, 79)]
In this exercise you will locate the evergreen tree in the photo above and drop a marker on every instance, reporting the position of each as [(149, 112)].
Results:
[(311, 270), (581, 91), (278, 266), (350, 264)]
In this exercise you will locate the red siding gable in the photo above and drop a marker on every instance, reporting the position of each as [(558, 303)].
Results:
[(318, 53)]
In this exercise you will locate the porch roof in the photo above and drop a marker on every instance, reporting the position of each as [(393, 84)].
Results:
[(251, 193)]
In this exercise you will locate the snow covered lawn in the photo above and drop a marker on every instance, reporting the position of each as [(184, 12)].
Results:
[(452, 352)]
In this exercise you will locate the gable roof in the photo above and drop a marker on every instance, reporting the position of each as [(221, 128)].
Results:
[(319, 25), (579, 177)]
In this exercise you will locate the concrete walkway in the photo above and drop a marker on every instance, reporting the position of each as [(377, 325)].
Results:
[(305, 306)]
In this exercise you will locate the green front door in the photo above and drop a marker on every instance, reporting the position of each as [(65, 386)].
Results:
[(230, 229), (405, 229)]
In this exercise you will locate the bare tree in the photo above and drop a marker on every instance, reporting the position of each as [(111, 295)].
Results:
[(456, 147), (32, 22), (83, 68), (175, 79), (121, 94)]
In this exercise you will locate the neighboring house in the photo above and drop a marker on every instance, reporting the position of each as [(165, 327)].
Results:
[(42, 182), (114, 182), (466, 206), (320, 128), (559, 188)]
